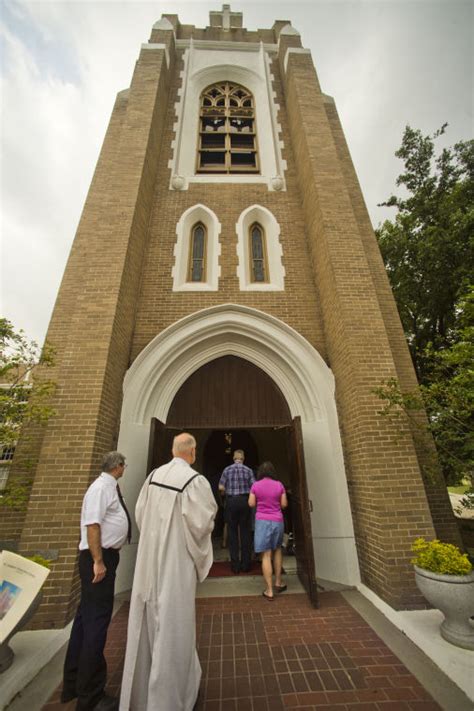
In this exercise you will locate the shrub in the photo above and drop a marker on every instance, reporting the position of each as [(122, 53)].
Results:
[(40, 560), (442, 558)]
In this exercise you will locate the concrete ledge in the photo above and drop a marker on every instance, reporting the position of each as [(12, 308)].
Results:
[(446, 670), (33, 651)]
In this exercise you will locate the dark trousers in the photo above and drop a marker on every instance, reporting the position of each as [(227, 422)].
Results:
[(85, 668), (239, 521)]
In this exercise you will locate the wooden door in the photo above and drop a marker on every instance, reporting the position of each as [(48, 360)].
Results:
[(301, 507), (228, 392), (159, 451)]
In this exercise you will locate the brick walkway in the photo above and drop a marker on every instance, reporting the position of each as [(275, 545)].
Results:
[(269, 656)]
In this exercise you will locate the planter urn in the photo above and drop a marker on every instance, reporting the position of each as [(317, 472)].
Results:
[(453, 595)]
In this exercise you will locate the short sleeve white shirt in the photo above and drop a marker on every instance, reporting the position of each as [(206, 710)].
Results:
[(102, 505)]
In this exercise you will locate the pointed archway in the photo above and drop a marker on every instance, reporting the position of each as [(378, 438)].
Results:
[(227, 395), (307, 385)]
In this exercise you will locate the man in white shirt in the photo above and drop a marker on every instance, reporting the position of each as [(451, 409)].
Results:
[(105, 526)]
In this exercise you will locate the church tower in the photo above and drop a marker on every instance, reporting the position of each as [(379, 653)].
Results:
[(225, 279)]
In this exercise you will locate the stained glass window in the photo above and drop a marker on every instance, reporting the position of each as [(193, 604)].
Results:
[(197, 253), (227, 135), (258, 267)]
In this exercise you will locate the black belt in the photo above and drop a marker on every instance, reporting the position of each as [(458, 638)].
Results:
[(233, 496)]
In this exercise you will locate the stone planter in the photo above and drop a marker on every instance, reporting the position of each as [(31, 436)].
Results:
[(6, 652), (454, 596)]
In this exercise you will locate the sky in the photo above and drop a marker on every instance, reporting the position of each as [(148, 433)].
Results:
[(387, 63)]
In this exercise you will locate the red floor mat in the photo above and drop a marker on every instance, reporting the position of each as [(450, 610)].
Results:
[(221, 569)]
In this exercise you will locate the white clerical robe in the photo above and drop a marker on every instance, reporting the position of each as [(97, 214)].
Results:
[(175, 514)]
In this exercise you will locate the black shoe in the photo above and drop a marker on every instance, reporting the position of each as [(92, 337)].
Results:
[(67, 696), (107, 703), (235, 569)]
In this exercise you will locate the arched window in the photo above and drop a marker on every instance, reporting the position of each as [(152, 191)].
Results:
[(197, 253), (257, 253), (227, 134)]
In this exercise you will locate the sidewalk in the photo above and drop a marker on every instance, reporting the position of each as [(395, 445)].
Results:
[(259, 655)]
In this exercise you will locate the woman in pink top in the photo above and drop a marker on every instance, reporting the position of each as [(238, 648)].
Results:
[(269, 496)]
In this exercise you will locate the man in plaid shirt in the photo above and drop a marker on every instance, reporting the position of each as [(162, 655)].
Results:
[(235, 482)]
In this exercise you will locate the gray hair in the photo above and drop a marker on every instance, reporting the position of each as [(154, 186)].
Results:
[(183, 444), (111, 461)]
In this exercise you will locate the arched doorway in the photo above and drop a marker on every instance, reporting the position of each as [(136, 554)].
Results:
[(229, 403), (307, 386)]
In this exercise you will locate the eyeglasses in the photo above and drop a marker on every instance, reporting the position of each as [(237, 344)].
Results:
[(124, 465)]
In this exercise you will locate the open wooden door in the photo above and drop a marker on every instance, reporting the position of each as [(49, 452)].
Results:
[(158, 452), (301, 508)]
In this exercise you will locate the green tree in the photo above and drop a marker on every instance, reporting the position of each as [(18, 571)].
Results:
[(448, 400), (449, 396), (25, 395), (428, 250)]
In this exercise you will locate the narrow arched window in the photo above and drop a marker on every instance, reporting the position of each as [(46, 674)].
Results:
[(257, 253), (227, 133), (197, 253)]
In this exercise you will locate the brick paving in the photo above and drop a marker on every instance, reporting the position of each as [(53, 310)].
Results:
[(269, 656)]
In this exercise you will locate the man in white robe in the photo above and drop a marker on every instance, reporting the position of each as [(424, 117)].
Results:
[(175, 515)]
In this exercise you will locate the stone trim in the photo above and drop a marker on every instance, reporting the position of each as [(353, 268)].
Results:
[(274, 251), (226, 45), (197, 213)]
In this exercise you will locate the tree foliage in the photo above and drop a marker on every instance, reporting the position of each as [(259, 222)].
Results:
[(449, 395), (428, 250), (25, 396)]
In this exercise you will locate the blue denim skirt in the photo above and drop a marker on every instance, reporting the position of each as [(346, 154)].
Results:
[(268, 535)]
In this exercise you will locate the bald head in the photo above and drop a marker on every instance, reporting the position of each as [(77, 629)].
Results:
[(184, 446), (239, 455)]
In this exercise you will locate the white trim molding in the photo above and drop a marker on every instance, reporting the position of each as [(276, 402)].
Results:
[(163, 24), (203, 67), (305, 381), (197, 213), (269, 47), (274, 252)]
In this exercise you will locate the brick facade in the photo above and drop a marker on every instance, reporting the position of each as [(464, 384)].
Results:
[(116, 296)]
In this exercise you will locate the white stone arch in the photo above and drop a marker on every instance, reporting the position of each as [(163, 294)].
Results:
[(276, 276), (212, 74), (304, 380), (203, 67), (194, 214)]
